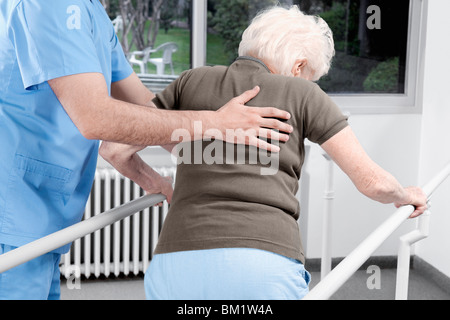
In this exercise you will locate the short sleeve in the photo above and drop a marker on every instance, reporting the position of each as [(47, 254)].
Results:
[(121, 68), (169, 98), (52, 38), (322, 117)]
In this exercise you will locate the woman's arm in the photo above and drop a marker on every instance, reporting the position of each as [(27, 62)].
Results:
[(369, 178)]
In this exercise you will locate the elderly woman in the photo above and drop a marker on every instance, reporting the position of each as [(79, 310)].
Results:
[(231, 231)]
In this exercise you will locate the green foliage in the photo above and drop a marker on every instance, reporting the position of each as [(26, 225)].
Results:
[(336, 19), (232, 17), (383, 78), (230, 20), (168, 14)]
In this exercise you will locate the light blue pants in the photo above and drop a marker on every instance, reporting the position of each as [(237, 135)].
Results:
[(38, 279), (225, 274)]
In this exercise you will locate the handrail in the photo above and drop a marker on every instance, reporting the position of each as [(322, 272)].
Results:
[(343, 271), (404, 253), (60, 238), (329, 195), (323, 290)]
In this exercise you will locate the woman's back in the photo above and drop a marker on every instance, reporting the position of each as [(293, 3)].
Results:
[(234, 196)]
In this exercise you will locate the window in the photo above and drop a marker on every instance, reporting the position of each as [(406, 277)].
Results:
[(376, 44), (370, 42), (155, 35)]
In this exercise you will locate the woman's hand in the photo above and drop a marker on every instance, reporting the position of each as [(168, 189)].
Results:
[(416, 197)]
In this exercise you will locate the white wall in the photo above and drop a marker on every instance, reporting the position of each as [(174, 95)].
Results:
[(435, 147), (412, 147), (393, 142)]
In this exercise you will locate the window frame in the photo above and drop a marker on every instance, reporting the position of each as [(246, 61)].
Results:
[(358, 103), (199, 33), (408, 102)]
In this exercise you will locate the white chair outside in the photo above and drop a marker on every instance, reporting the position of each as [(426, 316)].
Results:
[(167, 48), (142, 62)]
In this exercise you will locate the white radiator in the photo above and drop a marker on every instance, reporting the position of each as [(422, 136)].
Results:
[(125, 247)]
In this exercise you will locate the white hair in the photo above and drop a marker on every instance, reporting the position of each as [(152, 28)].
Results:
[(281, 36)]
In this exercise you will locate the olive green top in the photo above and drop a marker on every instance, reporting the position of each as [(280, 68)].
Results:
[(229, 196)]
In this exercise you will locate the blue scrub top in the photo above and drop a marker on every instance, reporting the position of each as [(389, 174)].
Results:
[(46, 166)]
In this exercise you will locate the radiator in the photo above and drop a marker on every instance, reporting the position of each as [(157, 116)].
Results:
[(124, 248)]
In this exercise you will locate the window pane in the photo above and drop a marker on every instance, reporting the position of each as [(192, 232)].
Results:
[(371, 45), (155, 35), (370, 39), (227, 20)]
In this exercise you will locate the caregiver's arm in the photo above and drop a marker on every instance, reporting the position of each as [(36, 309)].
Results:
[(125, 158), (98, 116), (131, 90), (369, 178)]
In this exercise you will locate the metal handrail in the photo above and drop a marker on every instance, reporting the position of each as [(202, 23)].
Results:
[(65, 236), (344, 270), (323, 290)]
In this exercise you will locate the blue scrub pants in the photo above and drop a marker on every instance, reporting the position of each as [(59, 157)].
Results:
[(38, 279), (225, 274)]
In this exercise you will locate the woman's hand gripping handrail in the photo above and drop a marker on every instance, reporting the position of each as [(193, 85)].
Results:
[(60, 238), (342, 272)]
